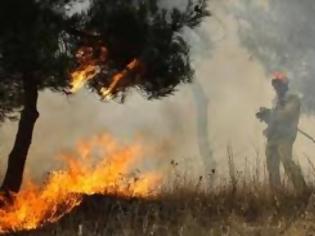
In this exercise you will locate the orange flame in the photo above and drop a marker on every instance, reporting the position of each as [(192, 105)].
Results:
[(80, 77), (89, 67), (106, 93), (110, 173)]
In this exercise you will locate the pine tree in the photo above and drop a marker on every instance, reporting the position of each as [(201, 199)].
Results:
[(129, 44)]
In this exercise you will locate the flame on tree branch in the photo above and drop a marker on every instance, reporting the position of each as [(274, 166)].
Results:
[(90, 66), (131, 68)]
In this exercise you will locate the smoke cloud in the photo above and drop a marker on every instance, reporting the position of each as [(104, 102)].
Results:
[(226, 52), (280, 34)]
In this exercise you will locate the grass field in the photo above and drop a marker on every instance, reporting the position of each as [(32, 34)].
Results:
[(227, 210), (243, 204)]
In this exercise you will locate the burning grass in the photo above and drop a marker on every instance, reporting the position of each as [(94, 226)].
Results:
[(100, 166), (250, 210), (103, 196)]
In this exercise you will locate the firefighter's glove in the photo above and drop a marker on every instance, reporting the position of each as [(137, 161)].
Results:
[(263, 114)]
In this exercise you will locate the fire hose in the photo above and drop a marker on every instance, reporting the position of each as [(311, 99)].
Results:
[(260, 116), (306, 135)]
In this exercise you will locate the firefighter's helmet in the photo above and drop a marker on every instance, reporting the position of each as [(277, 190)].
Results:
[(280, 77)]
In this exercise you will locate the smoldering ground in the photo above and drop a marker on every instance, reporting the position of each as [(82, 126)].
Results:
[(234, 79)]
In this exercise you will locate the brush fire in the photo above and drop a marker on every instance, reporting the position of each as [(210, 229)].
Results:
[(111, 174), (99, 165)]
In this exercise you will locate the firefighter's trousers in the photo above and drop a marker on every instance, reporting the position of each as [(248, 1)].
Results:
[(282, 151)]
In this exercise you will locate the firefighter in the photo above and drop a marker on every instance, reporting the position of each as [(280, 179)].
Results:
[(282, 126)]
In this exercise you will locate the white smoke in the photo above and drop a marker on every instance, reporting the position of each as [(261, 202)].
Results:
[(281, 35), (234, 81)]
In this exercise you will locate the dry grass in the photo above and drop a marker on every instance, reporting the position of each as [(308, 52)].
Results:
[(242, 206), (230, 210), (190, 213)]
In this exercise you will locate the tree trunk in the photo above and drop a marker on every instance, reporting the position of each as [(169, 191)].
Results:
[(205, 150), (17, 157)]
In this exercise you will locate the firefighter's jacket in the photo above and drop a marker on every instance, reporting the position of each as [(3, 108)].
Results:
[(283, 120)]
